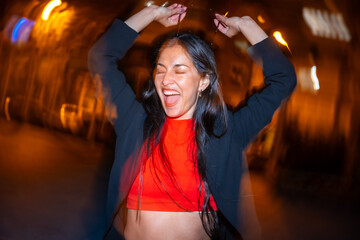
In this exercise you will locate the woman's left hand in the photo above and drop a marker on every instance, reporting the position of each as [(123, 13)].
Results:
[(246, 25)]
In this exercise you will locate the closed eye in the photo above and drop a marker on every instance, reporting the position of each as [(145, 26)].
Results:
[(181, 69), (160, 72), (160, 69)]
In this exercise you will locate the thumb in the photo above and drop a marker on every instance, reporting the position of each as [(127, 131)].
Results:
[(221, 18)]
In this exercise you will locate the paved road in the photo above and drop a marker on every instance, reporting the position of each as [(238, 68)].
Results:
[(284, 217), (53, 186)]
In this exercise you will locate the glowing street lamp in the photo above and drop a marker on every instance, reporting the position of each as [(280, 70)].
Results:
[(281, 40), (49, 7)]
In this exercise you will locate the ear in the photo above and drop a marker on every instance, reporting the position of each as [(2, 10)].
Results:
[(204, 83)]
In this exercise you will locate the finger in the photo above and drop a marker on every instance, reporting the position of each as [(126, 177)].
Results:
[(175, 18), (178, 10), (221, 18), (219, 24), (222, 28), (171, 7), (182, 16)]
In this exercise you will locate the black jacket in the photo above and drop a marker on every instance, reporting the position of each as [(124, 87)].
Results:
[(223, 155)]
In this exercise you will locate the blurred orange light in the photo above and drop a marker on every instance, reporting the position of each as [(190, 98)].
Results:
[(280, 39), (261, 19), (7, 109), (49, 7), (69, 116)]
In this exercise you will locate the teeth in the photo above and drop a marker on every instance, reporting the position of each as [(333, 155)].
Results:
[(169, 92)]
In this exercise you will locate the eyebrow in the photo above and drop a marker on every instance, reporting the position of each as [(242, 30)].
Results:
[(175, 66), (181, 65)]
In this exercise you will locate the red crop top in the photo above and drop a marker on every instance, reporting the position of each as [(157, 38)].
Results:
[(178, 137)]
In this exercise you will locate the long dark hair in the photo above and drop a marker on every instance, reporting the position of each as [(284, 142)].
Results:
[(209, 109)]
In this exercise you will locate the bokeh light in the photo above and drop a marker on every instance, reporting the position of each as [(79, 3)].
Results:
[(49, 7)]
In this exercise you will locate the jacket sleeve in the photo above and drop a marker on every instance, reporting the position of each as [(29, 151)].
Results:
[(280, 81), (119, 99)]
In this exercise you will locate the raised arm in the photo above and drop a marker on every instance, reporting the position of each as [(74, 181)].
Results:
[(166, 16), (279, 75), (118, 97)]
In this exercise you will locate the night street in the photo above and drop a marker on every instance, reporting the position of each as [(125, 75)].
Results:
[(53, 186), (274, 84)]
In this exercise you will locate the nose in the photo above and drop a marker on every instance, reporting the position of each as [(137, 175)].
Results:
[(168, 79)]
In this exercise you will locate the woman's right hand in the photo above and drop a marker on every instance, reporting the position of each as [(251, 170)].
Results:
[(169, 16)]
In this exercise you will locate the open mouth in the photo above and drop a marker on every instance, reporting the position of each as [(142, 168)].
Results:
[(171, 97)]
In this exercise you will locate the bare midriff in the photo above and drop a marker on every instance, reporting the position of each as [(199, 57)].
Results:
[(164, 225)]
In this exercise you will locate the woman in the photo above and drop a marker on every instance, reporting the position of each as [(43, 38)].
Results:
[(178, 156)]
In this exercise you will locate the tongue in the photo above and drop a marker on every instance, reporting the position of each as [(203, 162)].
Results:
[(171, 100)]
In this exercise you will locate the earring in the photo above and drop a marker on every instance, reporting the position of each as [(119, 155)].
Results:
[(200, 93)]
